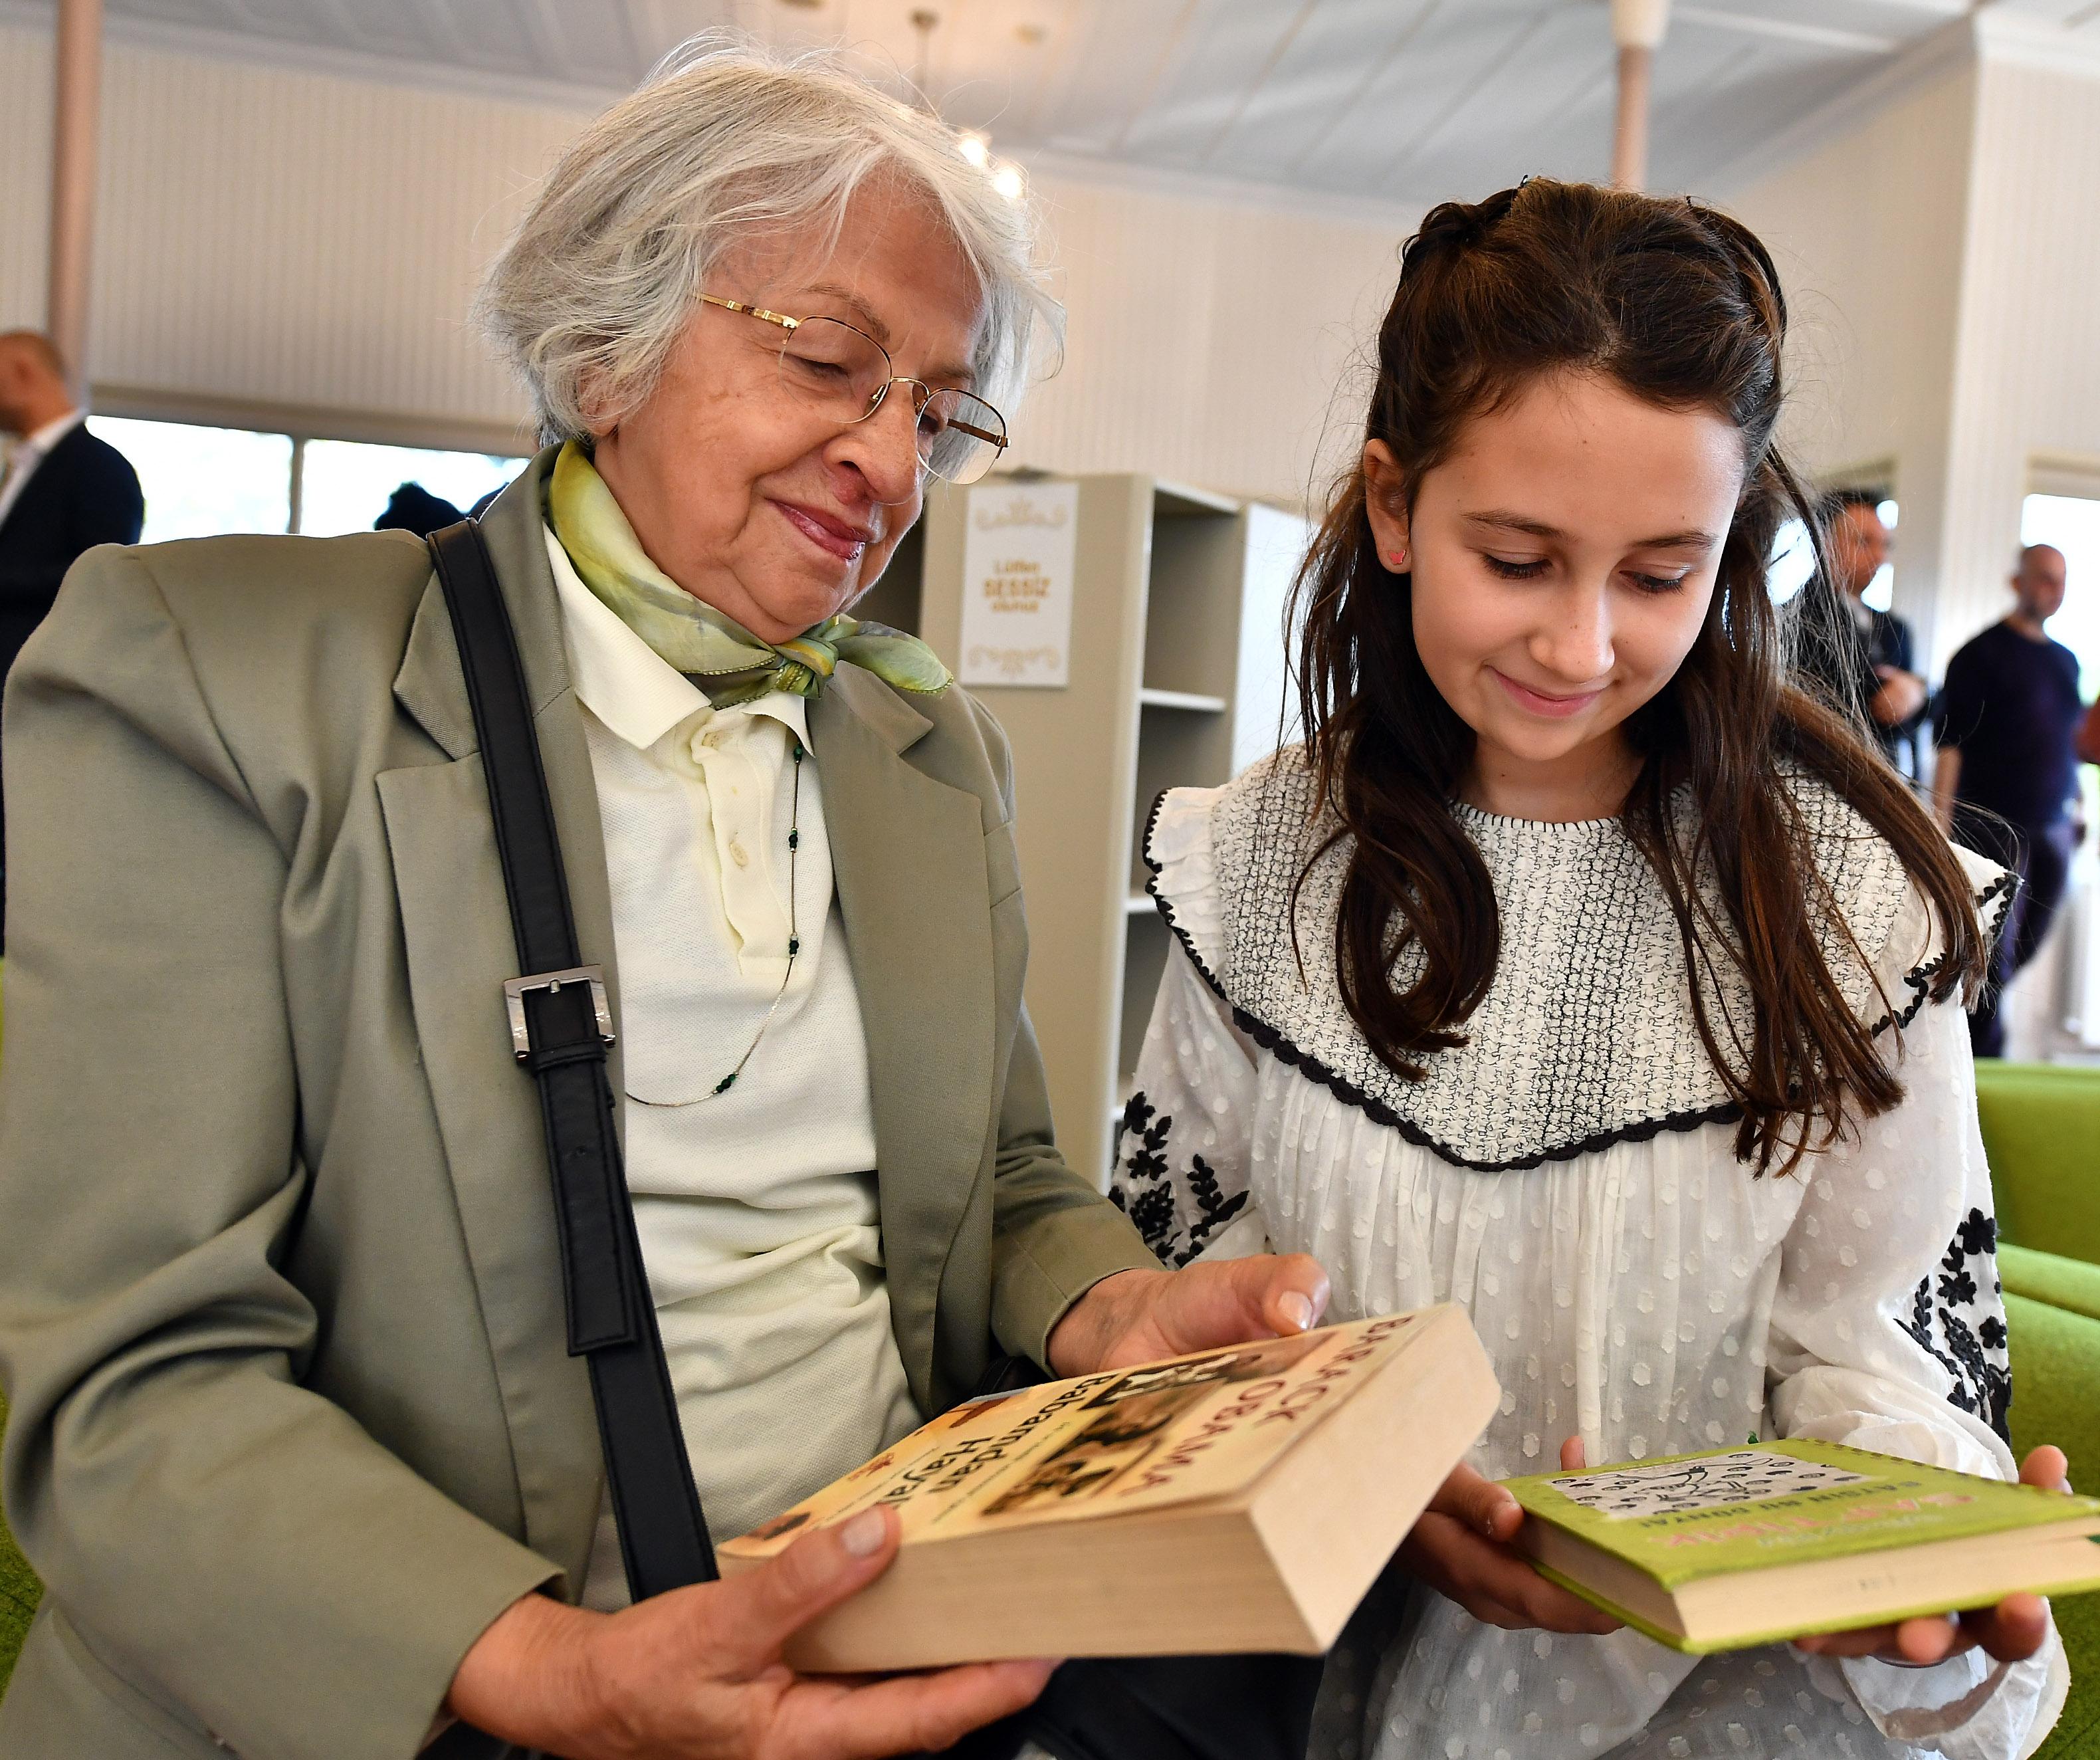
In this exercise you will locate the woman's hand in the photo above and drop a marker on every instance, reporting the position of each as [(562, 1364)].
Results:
[(2010, 1632), (696, 1674), (1460, 1546), (1140, 1316)]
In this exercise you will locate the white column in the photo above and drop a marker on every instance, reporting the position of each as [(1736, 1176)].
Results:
[(76, 125), (1637, 27)]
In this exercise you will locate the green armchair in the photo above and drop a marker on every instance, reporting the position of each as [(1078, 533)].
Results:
[(2041, 1130)]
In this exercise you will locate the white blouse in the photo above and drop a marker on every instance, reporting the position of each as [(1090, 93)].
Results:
[(1568, 1176)]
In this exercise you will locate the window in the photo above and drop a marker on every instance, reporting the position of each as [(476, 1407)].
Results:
[(1880, 591), (199, 481), (2071, 523), (346, 484), (1793, 561)]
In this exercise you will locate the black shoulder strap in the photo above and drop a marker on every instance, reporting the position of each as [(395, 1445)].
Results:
[(560, 1027)]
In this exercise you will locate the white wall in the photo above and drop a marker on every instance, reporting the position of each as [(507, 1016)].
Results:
[(311, 240), (2026, 383), (1867, 231), (1945, 266)]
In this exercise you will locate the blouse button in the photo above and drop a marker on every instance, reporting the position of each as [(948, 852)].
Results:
[(738, 855)]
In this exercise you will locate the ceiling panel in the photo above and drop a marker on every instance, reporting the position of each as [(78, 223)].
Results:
[(1391, 101), (1513, 120)]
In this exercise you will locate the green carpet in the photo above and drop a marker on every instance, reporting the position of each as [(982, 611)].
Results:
[(20, 1591)]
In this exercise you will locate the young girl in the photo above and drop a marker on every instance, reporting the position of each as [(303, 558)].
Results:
[(1578, 970)]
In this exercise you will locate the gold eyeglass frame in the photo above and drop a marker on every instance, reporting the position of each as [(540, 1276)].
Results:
[(923, 394)]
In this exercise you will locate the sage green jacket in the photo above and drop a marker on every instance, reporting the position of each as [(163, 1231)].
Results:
[(280, 1307)]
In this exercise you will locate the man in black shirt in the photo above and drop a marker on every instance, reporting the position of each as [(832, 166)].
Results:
[(2007, 775)]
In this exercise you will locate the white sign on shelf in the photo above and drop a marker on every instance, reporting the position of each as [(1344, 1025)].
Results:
[(1017, 584)]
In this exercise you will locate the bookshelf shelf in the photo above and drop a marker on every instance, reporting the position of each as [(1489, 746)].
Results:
[(1190, 700)]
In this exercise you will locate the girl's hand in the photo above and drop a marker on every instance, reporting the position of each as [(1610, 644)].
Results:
[(2010, 1632), (696, 1674), (1460, 1547)]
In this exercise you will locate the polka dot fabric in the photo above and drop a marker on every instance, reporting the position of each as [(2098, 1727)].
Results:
[(1648, 1295)]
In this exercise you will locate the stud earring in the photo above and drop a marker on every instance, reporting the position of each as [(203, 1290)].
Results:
[(1396, 558)]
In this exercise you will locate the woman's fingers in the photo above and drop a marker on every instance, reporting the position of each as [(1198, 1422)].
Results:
[(1139, 1316), (812, 1577), (1235, 1300), (910, 1712), (1296, 1297), (2047, 1467), (1574, 1457)]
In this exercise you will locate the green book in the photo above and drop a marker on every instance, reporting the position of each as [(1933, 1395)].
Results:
[(1757, 1544)]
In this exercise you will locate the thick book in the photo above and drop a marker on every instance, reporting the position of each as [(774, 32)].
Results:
[(1228, 1501), (1753, 1546)]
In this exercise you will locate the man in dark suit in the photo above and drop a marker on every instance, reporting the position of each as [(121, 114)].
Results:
[(62, 491)]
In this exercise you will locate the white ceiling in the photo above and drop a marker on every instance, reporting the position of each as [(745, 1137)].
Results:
[(1373, 101)]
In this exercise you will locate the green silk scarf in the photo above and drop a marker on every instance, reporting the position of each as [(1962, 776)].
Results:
[(719, 654)]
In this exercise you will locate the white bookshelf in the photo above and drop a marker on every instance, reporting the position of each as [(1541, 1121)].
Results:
[(1176, 678)]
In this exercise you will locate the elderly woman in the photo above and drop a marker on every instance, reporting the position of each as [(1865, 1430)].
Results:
[(297, 1443)]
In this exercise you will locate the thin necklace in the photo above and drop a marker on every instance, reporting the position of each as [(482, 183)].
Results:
[(794, 948)]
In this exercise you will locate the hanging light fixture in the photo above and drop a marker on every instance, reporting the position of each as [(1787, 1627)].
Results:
[(974, 144)]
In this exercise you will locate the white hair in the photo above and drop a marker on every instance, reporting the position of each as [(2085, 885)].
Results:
[(723, 144)]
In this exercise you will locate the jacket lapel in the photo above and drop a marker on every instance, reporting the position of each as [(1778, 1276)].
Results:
[(457, 926), (908, 852)]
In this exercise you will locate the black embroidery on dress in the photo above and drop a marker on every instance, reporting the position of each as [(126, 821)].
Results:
[(1917, 982), (1919, 979), (1962, 1329), (1149, 1200), (1213, 1208), (1146, 1194)]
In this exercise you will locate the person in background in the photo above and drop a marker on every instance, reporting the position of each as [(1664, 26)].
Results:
[(1888, 683), (62, 491), (413, 508), (2007, 775)]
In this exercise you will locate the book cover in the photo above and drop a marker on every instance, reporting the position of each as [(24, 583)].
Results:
[(1120, 1442), (1688, 1519)]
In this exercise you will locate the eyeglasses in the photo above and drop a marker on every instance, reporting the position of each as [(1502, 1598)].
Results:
[(830, 366)]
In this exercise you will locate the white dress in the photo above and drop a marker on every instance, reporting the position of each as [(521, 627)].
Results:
[(1568, 1176)]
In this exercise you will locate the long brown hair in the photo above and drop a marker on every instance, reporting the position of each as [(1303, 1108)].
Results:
[(1681, 306)]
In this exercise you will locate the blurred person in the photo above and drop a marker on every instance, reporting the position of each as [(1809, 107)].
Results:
[(1858, 659), (1889, 684), (2005, 783), (413, 508), (62, 491), (298, 1440)]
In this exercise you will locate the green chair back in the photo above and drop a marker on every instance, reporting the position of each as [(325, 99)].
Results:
[(2041, 1131)]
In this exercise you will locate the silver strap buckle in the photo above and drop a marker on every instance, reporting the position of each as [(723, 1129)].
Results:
[(513, 1002)]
